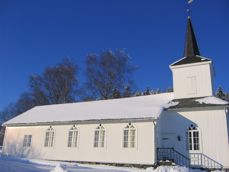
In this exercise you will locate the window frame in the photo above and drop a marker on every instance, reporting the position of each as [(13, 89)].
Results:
[(193, 139), (192, 85), (73, 142), (27, 141), (129, 140), (99, 137), (50, 140)]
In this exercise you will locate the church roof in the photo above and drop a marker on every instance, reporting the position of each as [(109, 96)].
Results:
[(139, 107), (190, 60), (210, 101), (191, 50)]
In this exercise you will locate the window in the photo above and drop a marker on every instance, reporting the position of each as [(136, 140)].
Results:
[(193, 138), (192, 85), (99, 136), (49, 137), (72, 137), (27, 140), (129, 136)]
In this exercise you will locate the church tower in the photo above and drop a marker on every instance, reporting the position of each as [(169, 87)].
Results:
[(193, 74)]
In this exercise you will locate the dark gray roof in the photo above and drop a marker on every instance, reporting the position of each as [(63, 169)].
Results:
[(194, 59), (191, 50), (192, 103), (191, 46)]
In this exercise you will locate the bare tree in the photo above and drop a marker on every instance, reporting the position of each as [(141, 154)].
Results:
[(128, 92), (8, 112), (24, 103), (56, 85), (108, 71)]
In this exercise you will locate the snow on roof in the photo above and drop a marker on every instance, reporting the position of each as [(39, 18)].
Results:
[(124, 108), (212, 100), (171, 104), (190, 60)]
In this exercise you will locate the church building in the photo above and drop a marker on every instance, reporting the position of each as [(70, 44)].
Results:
[(188, 126)]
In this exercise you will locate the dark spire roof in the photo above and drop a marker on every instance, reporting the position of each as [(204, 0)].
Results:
[(191, 50), (191, 47)]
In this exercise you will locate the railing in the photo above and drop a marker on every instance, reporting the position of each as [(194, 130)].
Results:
[(199, 160), (171, 154), (196, 160)]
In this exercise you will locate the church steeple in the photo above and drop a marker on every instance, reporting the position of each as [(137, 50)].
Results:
[(193, 74), (191, 46), (191, 49)]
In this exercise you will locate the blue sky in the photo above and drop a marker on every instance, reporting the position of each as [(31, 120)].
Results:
[(39, 33)]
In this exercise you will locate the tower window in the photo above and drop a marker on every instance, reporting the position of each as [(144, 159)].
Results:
[(192, 85)]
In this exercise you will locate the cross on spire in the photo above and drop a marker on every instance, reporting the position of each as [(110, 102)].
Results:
[(191, 49), (189, 7)]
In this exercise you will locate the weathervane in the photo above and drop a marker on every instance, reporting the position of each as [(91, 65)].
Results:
[(189, 7)]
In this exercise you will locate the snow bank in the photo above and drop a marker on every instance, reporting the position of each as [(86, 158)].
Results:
[(59, 168), (13, 164), (212, 100), (168, 169)]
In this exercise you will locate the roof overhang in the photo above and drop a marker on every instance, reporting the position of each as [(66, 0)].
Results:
[(188, 65), (203, 108), (95, 121)]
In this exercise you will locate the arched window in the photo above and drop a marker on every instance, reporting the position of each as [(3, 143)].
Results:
[(129, 136), (72, 137), (193, 138), (99, 136), (49, 137)]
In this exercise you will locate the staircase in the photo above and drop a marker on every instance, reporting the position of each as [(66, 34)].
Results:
[(199, 160), (172, 155), (196, 160)]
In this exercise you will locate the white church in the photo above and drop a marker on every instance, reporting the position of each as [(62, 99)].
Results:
[(189, 126)]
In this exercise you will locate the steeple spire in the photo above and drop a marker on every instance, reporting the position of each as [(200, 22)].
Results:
[(191, 50), (191, 46)]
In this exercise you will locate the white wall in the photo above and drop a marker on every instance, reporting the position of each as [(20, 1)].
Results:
[(213, 130), (192, 80), (113, 152), (227, 112)]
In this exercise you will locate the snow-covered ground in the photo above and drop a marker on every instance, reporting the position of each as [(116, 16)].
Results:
[(10, 164)]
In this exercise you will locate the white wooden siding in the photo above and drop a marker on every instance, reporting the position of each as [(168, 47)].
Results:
[(213, 131), (113, 152), (193, 80)]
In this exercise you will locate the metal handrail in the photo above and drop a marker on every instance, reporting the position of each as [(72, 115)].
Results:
[(203, 161), (172, 155), (196, 160)]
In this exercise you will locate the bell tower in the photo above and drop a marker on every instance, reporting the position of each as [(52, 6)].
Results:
[(193, 74)]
